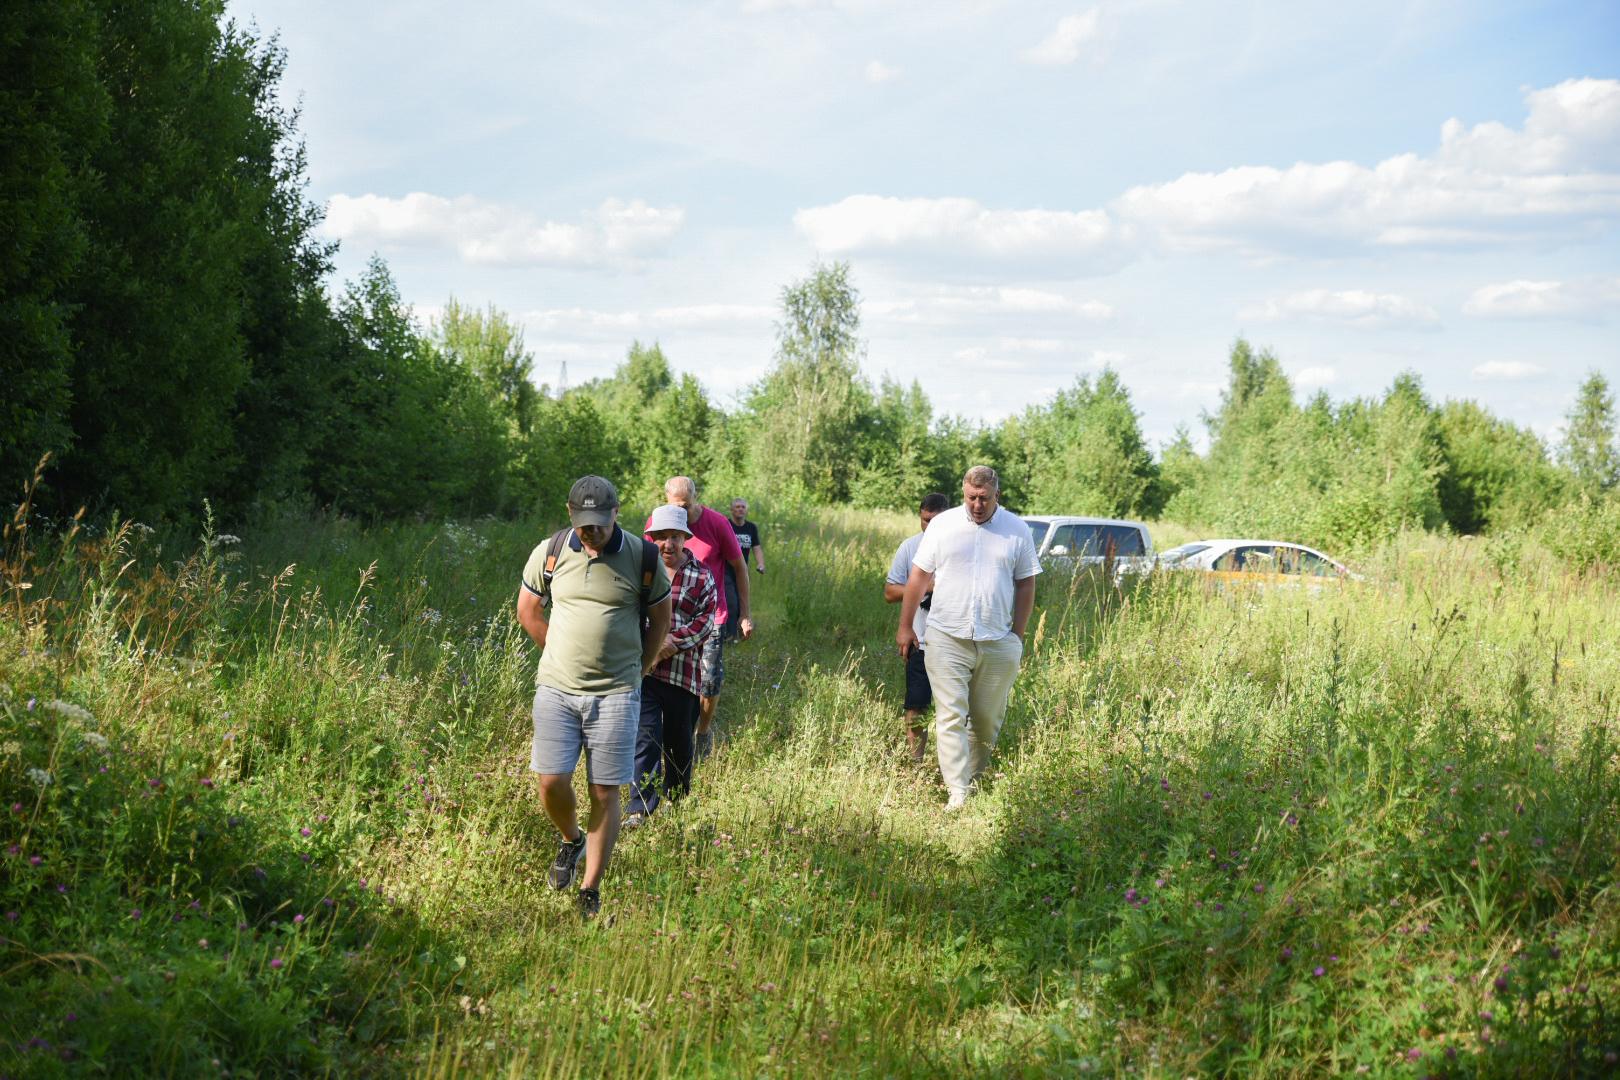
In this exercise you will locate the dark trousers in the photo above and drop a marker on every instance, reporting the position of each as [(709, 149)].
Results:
[(733, 608), (669, 716)]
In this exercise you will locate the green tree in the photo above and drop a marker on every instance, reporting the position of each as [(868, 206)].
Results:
[(811, 409), (1590, 450), (489, 346), (1495, 473), (407, 430), (1082, 453), (53, 109)]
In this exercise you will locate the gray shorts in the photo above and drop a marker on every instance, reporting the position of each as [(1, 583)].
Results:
[(713, 672), (604, 727)]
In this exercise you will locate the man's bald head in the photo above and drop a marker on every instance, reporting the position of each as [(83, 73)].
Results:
[(680, 491)]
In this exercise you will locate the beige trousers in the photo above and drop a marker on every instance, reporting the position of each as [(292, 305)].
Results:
[(971, 681)]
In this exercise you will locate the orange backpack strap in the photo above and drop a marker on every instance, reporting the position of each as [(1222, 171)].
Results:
[(553, 550)]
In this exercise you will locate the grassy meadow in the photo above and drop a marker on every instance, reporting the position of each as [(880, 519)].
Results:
[(267, 811)]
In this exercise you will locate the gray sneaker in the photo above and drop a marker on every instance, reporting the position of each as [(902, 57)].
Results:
[(633, 820), (703, 744), (561, 874)]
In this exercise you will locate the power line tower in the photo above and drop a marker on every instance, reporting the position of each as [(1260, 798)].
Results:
[(562, 380)]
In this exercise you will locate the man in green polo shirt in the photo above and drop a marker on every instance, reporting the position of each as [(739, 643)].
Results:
[(596, 647)]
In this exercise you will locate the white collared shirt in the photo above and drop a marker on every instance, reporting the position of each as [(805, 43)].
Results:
[(974, 568)]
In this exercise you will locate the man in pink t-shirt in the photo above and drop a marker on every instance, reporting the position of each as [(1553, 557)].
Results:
[(715, 545)]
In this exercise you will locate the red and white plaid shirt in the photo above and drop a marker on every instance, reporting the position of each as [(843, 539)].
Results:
[(692, 621)]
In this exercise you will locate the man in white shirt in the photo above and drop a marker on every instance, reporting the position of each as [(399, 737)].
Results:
[(979, 561)]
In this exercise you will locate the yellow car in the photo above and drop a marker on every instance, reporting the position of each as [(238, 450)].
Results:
[(1261, 563)]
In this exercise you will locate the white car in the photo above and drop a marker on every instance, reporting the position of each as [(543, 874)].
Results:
[(1258, 562), (1090, 541)]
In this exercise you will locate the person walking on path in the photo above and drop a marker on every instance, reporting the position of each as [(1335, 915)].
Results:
[(918, 695), (610, 614), (669, 692), (979, 561), (716, 547), (748, 539)]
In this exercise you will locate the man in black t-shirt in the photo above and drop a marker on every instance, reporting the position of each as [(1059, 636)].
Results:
[(747, 539)]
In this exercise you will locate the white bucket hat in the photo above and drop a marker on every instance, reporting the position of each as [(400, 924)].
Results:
[(668, 517)]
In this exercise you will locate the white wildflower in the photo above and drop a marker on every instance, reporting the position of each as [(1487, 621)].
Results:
[(432, 616), (224, 539), (95, 739), (39, 776), (69, 711)]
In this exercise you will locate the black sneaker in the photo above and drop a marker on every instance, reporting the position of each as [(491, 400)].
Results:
[(590, 902), (561, 874)]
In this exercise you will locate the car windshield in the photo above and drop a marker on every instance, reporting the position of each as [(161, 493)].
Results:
[(1099, 540), (1185, 551), (1037, 531)]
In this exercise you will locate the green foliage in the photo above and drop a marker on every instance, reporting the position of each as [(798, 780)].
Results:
[(1584, 533), (408, 429), (810, 409), (663, 423), (1591, 449), (1495, 474), (1346, 475), (51, 109), (1407, 784), (1081, 454), (489, 346)]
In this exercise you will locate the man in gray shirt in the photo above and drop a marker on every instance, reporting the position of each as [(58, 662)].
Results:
[(918, 694)]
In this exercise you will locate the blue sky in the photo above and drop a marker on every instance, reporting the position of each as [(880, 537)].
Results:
[(1025, 192)]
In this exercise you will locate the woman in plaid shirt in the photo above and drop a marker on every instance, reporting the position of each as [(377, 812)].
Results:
[(669, 693)]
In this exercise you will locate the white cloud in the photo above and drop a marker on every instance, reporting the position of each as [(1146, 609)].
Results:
[(879, 72), (956, 304), (1505, 370), (1557, 179), (1313, 378), (483, 232), (1350, 307), (1066, 42), (1485, 184), (958, 226), (1585, 299), (713, 317)]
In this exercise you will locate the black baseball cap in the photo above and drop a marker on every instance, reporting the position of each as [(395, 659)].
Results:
[(591, 501)]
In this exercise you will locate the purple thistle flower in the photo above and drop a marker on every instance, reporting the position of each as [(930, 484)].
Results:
[(1414, 1054), (206, 782), (303, 832), (154, 783), (1287, 953), (1130, 894), (35, 860), (135, 913), (298, 920), (276, 964), (16, 808), (61, 888), (1319, 971), (1258, 888), (12, 916)]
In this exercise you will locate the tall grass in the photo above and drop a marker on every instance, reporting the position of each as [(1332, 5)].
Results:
[(267, 810)]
